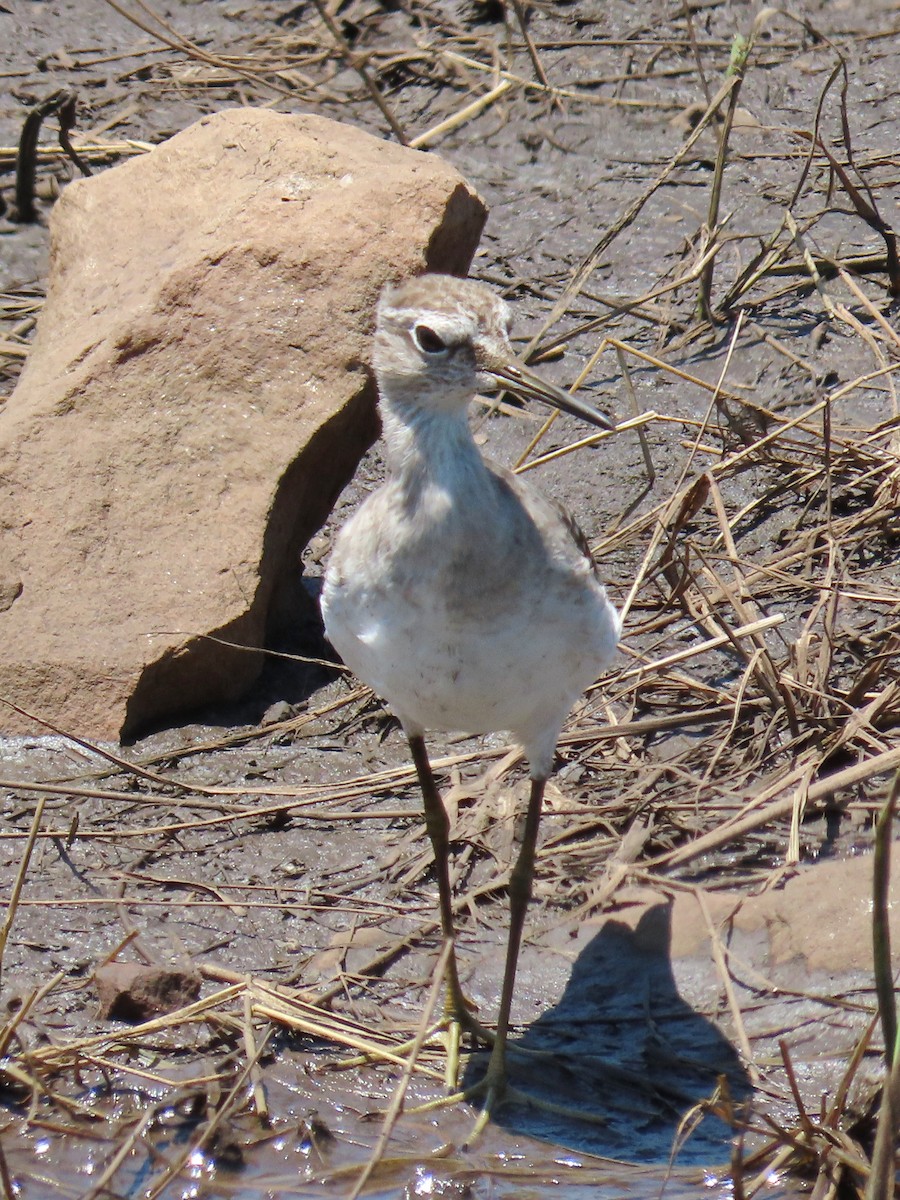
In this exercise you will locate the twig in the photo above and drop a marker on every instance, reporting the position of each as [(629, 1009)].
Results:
[(396, 1105), (100, 1185), (635, 411), (355, 63), (171, 38), (881, 928), (26, 158), (881, 1182), (19, 881), (467, 113), (519, 10), (588, 265), (766, 810), (740, 53)]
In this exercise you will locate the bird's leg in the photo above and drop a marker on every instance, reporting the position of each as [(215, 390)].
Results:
[(494, 1087), (438, 827), (520, 879)]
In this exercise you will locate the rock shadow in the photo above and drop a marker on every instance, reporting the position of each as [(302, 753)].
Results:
[(293, 668), (625, 1050)]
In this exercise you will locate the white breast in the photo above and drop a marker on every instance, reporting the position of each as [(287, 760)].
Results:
[(467, 637)]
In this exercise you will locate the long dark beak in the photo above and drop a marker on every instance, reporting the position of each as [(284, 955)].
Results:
[(516, 377)]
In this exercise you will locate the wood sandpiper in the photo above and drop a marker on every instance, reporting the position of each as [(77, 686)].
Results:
[(457, 592)]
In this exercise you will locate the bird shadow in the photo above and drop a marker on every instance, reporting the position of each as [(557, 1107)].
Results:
[(622, 1058)]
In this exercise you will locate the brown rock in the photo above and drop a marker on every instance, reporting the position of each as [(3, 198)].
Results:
[(195, 400), (133, 992), (822, 915)]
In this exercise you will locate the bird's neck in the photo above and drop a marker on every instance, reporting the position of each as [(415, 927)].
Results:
[(430, 446)]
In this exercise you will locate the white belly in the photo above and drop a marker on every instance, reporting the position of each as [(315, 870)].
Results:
[(518, 669), (467, 605)]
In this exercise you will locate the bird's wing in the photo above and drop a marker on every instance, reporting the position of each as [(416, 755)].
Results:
[(561, 532), (575, 531)]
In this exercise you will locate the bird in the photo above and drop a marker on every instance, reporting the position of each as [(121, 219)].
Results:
[(462, 596)]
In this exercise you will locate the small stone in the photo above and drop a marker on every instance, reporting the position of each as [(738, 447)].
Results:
[(134, 992), (276, 713)]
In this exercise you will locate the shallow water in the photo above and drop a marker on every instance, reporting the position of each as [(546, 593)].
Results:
[(293, 1161)]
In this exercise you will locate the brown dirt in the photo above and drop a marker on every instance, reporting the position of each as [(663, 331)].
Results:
[(300, 864)]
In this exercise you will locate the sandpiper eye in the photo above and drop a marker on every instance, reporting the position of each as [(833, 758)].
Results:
[(426, 339)]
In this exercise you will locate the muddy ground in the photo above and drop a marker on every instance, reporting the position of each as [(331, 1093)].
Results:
[(277, 848)]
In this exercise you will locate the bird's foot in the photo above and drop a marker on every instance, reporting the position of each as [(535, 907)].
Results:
[(494, 1091), (460, 1021), (497, 1091), (467, 1023)]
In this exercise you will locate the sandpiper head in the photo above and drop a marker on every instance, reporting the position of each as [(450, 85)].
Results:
[(439, 339)]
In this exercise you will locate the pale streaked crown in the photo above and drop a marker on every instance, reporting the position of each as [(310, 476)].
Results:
[(435, 339)]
